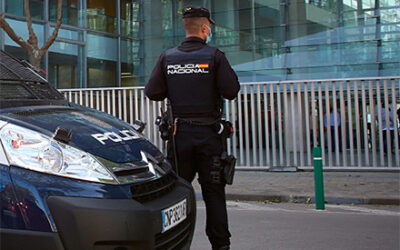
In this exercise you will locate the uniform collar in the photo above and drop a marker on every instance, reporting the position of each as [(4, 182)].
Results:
[(193, 39)]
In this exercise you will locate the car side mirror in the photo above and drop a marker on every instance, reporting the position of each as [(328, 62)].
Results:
[(139, 126)]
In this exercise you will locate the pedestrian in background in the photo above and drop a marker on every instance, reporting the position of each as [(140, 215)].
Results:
[(195, 77), (332, 126), (387, 126)]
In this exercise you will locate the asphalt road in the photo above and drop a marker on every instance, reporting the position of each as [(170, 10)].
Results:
[(299, 226)]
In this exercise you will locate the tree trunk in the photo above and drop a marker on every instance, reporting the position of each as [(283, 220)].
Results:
[(30, 46)]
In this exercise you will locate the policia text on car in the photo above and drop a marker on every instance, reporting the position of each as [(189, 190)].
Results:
[(195, 77)]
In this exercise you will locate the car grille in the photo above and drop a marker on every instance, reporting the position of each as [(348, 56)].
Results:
[(154, 189), (175, 238)]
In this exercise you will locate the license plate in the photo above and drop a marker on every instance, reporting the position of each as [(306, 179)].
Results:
[(173, 215)]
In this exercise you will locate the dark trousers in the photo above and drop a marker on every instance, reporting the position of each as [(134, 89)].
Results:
[(385, 142), (333, 143), (196, 146)]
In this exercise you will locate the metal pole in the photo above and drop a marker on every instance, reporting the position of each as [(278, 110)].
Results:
[(318, 179), (2, 33), (119, 43)]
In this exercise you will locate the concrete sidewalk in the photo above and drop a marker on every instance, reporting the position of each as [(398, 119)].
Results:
[(340, 187)]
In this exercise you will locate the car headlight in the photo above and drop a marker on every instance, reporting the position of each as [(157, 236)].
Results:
[(32, 150)]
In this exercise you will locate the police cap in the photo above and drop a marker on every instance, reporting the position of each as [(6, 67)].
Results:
[(196, 11)]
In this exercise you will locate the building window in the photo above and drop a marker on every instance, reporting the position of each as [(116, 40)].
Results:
[(70, 12), (102, 15), (130, 14), (102, 61), (63, 65), (15, 7), (130, 63)]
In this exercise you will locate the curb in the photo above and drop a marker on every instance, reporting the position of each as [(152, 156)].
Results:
[(309, 199)]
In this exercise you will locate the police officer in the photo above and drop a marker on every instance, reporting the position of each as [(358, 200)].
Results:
[(195, 77)]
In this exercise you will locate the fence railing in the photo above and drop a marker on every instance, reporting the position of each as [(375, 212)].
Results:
[(277, 123)]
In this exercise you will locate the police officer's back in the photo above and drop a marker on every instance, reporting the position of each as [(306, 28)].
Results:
[(195, 77)]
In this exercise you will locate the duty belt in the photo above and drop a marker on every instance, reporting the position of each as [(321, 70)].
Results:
[(199, 121)]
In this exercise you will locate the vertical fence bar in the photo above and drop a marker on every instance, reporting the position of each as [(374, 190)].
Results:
[(253, 125), (91, 98), (125, 110), (292, 107), (321, 121), (300, 120), (131, 106), (336, 124), (357, 120), (350, 119), (80, 97), (260, 133), (314, 117), (365, 127), (266, 126), (148, 117), (234, 122), (97, 100), (109, 102), (273, 137), (373, 124), (87, 98), (241, 131), (280, 130), (246, 126), (102, 100), (286, 118), (379, 111), (113, 102), (307, 117), (154, 105), (396, 129), (388, 145), (328, 123), (119, 104), (343, 122), (142, 106), (137, 114)]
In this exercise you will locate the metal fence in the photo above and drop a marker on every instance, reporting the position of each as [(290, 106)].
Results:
[(278, 123)]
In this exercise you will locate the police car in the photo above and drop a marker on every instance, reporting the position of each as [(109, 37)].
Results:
[(76, 178)]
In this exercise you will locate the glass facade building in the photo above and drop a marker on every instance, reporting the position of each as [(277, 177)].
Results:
[(108, 43)]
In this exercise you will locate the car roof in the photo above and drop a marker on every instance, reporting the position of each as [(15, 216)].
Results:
[(16, 70)]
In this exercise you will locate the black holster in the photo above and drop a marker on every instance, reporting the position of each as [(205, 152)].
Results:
[(223, 166)]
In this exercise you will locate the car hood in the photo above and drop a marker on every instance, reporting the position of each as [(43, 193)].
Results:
[(92, 131)]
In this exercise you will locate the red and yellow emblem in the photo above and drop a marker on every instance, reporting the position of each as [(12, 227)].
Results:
[(203, 66)]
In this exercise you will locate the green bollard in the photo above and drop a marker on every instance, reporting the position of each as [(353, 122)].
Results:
[(318, 179)]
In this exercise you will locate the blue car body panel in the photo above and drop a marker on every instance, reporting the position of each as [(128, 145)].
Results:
[(40, 210)]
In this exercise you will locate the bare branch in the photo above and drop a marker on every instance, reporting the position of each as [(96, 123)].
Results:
[(16, 38), (32, 36), (53, 37)]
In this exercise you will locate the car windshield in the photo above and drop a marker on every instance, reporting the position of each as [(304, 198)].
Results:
[(20, 85), (18, 93)]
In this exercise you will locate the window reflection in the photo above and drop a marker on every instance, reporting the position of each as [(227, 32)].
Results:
[(101, 15), (130, 63), (130, 13), (102, 61), (101, 73), (70, 12), (63, 65), (16, 7)]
